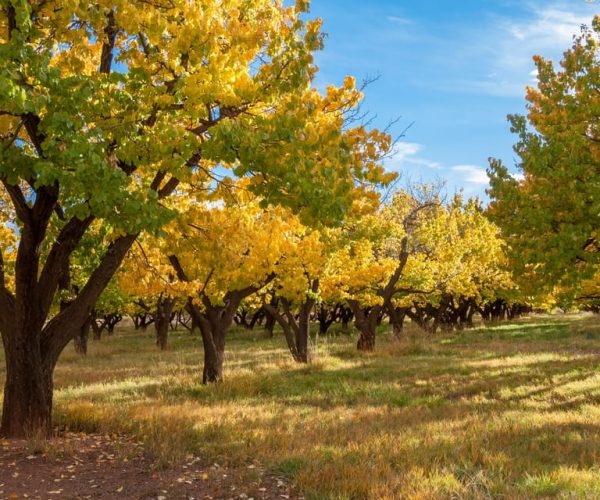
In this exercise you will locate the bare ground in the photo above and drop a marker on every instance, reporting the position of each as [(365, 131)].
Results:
[(79, 466)]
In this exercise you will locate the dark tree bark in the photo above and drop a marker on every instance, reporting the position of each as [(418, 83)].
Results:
[(185, 320), (326, 316), (366, 323), (32, 344), (270, 319), (241, 318), (164, 309), (105, 323), (417, 315), (144, 319), (270, 325), (32, 339), (346, 315), (111, 320), (27, 406), (214, 323), (98, 325), (65, 286), (81, 341), (439, 312), (296, 329), (397, 315), (256, 318)]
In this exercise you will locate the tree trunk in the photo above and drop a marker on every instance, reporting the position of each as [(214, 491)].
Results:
[(215, 321), (97, 330), (326, 317), (81, 340), (397, 315), (111, 321), (269, 325), (256, 317), (366, 340), (164, 308), (439, 313), (27, 405), (302, 336), (296, 330), (270, 318), (346, 315), (214, 354), (366, 324), (146, 322)]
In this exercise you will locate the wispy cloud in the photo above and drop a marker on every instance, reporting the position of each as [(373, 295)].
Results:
[(548, 30), (504, 46), (472, 174), (409, 153), (404, 150)]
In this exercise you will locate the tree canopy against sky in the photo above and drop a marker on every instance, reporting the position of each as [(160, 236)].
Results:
[(550, 214)]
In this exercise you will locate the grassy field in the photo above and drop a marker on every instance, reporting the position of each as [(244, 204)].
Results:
[(509, 410)]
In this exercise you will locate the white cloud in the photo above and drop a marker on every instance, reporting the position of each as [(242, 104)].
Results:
[(518, 177), (405, 150), (408, 153), (503, 47), (409, 161), (548, 31), (472, 173)]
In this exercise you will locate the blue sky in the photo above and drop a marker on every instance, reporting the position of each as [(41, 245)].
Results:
[(454, 68)]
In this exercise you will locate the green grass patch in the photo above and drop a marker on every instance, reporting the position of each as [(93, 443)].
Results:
[(510, 410)]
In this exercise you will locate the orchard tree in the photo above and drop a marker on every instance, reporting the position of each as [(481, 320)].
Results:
[(550, 213), (222, 255), (296, 285), (147, 277), (468, 267), (105, 107), (384, 256)]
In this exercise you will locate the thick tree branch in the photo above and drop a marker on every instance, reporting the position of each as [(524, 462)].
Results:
[(110, 31), (178, 268), (285, 326), (168, 188), (387, 292), (60, 330), (7, 301), (64, 245), (32, 125), (19, 202)]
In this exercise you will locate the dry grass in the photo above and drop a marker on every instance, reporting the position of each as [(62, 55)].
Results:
[(511, 410)]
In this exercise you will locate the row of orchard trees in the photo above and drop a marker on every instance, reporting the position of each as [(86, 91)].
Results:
[(437, 263)]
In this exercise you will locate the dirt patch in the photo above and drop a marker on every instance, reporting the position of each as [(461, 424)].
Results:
[(79, 466)]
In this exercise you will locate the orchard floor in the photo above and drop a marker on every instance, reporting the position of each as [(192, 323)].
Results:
[(511, 410)]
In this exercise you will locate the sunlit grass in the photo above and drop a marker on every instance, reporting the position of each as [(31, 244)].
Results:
[(510, 410)]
